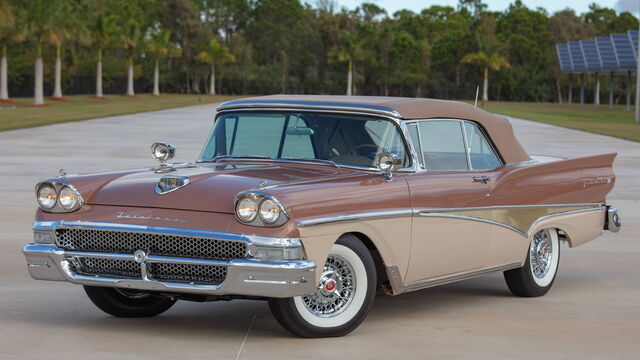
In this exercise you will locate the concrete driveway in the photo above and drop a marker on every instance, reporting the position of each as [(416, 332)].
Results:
[(592, 312)]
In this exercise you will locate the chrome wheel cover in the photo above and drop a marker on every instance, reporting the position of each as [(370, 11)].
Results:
[(335, 291), (541, 254)]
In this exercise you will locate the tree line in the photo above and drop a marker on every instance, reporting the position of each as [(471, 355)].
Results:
[(289, 46)]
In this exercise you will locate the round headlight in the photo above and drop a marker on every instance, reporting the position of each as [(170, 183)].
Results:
[(247, 209), (47, 197), (269, 211), (67, 198)]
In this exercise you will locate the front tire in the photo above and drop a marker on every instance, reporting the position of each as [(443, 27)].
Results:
[(537, 275), (128, 303), (343, 297)]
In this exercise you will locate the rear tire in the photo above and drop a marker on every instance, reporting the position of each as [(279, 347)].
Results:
[(128, 303), (343, 297), (537, 275)]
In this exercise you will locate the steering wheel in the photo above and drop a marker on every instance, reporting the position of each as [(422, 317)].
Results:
[(376, 148)]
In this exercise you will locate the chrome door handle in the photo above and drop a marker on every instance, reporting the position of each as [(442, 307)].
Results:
[(482, 179)]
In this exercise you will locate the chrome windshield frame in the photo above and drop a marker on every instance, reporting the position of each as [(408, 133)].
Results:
[(399, 123)]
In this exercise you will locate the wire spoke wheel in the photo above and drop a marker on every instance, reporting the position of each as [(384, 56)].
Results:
[(336, 288), (541, 254)]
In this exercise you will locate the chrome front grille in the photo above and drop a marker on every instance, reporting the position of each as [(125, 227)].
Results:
[(203, 274), (113, 268), (157, 244), (211, 274)]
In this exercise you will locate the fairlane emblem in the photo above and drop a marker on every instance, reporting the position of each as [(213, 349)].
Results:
[(589, 182), (122, 215), (168, 184)]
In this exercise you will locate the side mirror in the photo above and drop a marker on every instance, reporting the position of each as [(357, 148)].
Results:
[(388, 163), (163, 152)]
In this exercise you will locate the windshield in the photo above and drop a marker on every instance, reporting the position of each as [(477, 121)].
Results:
[(344, 139)]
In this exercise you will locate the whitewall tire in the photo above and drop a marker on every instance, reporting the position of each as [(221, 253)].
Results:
[(537, 275), (342, 298)]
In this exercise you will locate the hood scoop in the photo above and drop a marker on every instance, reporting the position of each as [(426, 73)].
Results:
[(167, 184)]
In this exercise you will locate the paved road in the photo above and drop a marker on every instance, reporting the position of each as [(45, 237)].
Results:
[(592, 312)]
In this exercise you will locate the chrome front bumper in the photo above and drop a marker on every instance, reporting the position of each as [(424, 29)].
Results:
[(278, 279)]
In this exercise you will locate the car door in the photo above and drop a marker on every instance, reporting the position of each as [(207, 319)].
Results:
[(446, 236)]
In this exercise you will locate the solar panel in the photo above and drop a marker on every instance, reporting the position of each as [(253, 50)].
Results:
[(590, 53), (563, 57), (633, 37), (624, 51), (607, 54), (575, 54)]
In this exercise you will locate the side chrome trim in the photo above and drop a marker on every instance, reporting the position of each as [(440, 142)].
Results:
[(400, 288), (499, 207), (454, 216), (429, 213), (387, 214), (535, 223), (442, 212)]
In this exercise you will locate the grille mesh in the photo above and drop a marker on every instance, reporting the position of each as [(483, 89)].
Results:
[(156, 244), (209, 274), (189, 272), (113, 268)]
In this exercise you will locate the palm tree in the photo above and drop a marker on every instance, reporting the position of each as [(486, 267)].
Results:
[(42, 17), (66, 27), (130, 38), (8, 31), (213, 54), (489, 57), (159, 46), (103, 31), (348, 50)]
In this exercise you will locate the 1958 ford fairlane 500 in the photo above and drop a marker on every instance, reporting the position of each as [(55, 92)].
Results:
[(314, 203)]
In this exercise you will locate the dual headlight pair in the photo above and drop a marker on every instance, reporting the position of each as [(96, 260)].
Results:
[(259, 209), (57, 196)]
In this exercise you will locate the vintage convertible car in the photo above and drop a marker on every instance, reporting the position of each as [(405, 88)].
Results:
[(315, 203)]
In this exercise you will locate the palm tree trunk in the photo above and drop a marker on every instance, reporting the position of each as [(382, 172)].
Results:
[(57, 91), (130, 91), (99, 75), (38, 91), (485, 85), (212, 85), (350, 78), (4, 86), (156, 78)]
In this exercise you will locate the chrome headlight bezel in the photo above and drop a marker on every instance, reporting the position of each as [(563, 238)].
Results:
[(258, 220), (60, 186)]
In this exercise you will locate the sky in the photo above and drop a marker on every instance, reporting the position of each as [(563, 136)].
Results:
[(498, 5)]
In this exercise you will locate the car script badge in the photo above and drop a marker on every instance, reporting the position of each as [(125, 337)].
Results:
[(168, 184)]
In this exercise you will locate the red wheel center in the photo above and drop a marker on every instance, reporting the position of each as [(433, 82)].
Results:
[(330, 285)]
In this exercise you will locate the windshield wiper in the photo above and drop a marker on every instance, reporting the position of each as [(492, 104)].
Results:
[(250, 157), (323, 161)]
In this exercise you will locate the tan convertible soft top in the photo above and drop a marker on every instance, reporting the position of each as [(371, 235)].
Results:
[(498, 127)]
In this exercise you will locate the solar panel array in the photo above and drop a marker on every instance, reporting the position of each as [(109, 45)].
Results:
[(615, 53)]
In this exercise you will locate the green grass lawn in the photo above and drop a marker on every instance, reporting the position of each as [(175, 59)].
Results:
[(81, 107), (601, 120)]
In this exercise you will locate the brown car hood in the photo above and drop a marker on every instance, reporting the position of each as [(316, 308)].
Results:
[(212, 188)]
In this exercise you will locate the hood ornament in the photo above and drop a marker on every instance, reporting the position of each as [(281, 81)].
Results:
[(167, 184), (163, 152)]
